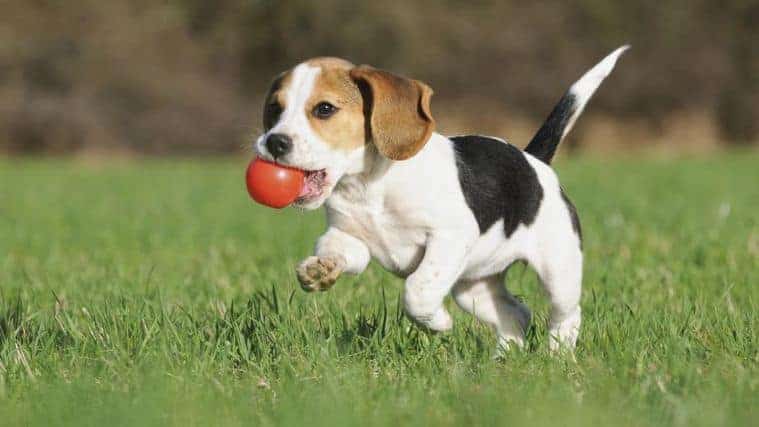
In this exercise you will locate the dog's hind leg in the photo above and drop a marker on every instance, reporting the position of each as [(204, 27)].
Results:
[(427, 287), (561, 276), (488, 300)]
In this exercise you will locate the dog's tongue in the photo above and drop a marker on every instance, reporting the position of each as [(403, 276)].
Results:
[(312, 184)]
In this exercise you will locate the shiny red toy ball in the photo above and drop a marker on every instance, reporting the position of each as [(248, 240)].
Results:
[(273, 185)]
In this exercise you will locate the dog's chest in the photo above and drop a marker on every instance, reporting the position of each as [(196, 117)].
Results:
[(391, 237)]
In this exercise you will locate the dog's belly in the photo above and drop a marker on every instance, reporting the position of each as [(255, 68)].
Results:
[(493, 252)]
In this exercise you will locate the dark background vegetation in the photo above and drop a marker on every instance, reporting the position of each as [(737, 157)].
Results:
[(187, 76)]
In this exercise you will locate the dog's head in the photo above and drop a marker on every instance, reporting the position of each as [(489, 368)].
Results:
[(327, 117)]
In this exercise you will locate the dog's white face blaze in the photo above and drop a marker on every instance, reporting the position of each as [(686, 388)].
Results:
[(325, 148)]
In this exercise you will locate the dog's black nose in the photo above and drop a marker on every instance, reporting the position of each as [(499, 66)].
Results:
[(279, 144)]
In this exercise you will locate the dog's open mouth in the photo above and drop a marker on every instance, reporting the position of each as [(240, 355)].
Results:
[(313, 186)]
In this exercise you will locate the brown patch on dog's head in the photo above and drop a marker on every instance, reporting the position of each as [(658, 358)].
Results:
[(397, 109), (372, 105), (327, 62), (275, 99)]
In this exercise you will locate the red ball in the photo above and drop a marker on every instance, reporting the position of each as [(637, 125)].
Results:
[(273, 185)]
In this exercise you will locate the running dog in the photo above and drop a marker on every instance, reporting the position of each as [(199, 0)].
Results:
[(447, 214)]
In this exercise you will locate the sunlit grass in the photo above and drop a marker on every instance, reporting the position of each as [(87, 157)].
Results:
[(155, 293)]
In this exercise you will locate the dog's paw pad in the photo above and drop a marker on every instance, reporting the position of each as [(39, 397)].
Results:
[(318, 274)]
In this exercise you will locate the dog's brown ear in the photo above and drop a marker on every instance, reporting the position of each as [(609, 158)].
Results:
[(396, 110)]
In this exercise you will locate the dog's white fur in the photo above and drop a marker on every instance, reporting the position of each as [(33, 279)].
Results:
[(412, 217)]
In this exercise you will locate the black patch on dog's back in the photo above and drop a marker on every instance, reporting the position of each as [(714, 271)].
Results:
[(497, 181), (573, 216)]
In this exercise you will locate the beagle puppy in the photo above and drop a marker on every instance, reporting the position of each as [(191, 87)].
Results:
[(447, 214)]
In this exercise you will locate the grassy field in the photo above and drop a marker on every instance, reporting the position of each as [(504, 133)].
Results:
[(156, 293)]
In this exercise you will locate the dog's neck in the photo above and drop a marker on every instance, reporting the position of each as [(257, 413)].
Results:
[(375, 165), (363, 184), (370, 181)]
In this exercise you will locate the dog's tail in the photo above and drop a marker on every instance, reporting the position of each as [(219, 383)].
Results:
[(570, 106)]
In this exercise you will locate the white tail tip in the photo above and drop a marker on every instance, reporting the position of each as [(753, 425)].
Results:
[(589, 82)]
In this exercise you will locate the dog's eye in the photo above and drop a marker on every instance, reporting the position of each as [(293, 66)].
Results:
[(324, 110)]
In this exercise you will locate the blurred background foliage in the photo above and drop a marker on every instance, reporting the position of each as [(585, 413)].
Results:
[(188, 76)]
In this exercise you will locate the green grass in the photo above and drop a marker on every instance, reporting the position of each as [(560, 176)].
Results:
[(156, 293)]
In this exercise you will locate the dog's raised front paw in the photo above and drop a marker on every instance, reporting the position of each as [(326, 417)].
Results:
[(319, 274)]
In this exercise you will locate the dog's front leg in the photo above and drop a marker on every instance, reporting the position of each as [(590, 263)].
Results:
[(336, 252), (444, 260)]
